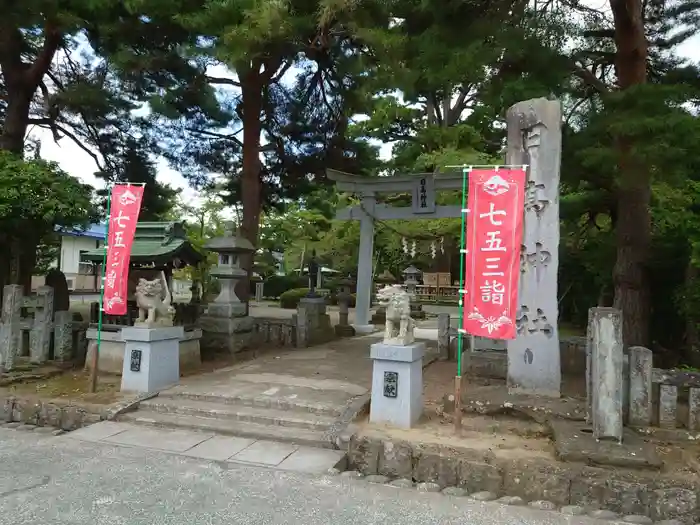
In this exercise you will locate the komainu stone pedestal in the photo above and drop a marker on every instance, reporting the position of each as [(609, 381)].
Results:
[(151, 358), (397, 384)]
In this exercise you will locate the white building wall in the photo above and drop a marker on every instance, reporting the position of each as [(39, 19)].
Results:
[(70, 253)]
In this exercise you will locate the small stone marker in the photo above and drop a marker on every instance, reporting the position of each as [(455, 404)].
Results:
[(63, 337), (694, 408), (444, 336), (42, 326), (641, 362), (668, 405), (606, 373)]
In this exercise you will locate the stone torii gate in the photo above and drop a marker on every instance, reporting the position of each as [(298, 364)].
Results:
[(534, 139), (423, 186)]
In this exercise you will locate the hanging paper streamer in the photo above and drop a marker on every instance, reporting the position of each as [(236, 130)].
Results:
[(125, 205), (433, 251), (492, 267), (413, 249), (404, 245)]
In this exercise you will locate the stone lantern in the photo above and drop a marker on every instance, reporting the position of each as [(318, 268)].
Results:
[(345, 287), (411, 275), (225, 324)]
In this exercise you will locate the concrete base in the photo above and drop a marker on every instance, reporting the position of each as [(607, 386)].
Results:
[(397, 384), (151, 358), (364, 329), (111, 359)]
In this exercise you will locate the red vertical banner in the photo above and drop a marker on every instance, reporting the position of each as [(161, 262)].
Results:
[(494, 238), (125, 205)]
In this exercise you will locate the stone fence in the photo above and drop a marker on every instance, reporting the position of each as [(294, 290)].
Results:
[(275, 332), (51, 335), (665, 398)]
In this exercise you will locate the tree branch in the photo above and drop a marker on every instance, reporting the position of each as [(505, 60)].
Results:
[(590, 79), (213, 134), (78, 142), (42, 63), (222, 80), (280, 72)]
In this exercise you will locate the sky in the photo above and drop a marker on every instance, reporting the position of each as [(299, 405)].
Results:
[(73, 160)]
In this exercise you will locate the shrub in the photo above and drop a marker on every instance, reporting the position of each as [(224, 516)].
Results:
[(276, 285), (290, 298)]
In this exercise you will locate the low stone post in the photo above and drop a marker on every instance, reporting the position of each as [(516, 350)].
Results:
[(606, 373), (63, 337), (40, 334), (314, 324), (640, 366), (343, 328), (444, 336), (302, 322), (10, 325), (694, 409), (668, 406)]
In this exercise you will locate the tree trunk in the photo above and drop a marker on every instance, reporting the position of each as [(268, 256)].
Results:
[(252, 95), (633, 228), (14, 128)]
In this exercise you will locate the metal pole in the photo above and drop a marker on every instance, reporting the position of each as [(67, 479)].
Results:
[(462, 291), (96, 348)]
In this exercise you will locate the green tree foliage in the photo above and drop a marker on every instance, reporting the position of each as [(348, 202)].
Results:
[(133, 165), (204, 221), (36, 197)]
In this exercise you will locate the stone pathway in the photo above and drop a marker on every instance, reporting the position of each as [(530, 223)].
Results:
[(305, 396), (211, 447)]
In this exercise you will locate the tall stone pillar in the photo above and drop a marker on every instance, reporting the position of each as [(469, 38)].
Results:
[(534, 138), (364, 267)]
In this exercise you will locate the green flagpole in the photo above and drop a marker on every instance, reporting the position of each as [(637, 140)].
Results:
[(462, 291), (96, 348)]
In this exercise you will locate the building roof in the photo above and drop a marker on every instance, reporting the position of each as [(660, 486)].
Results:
[(158, 243), (93, 231)]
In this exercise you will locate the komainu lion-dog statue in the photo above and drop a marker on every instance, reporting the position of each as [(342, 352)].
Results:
[(399, 325), (154, 310)]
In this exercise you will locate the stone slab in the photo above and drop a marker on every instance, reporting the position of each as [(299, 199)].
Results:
[(401, 353), (265, 453), (171, 440), (219, 448), (99, 431), (311, 460), (574, 442), (135, 333)]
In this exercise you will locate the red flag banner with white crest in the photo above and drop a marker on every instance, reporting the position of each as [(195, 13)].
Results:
[(125, 205), (494, 238)]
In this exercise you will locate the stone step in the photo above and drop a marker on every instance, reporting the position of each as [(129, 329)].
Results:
[(268, 395), (257, 415), (297, 436)]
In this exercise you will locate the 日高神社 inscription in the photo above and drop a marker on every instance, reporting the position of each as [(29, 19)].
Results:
[(534, 138)]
